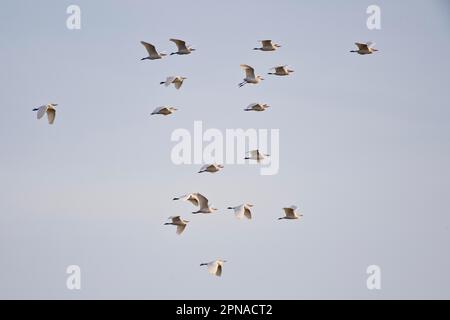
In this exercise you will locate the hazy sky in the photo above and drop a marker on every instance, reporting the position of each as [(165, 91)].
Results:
[(364, 150)]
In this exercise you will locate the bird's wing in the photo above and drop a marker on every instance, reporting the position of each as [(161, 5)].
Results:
[(202, 201), (370, 44), (219, 270), (212, 267), (247, 213), (251, 106), (239, 211), (266, 43), (176, 219), (254, 153), (169, 80), (362, 46), (157, 110), (289, 212), (177, 83), (191, 198), (249, 71), (150, 48), (41, 111), (180, 229), (181, 45), (51, 114)]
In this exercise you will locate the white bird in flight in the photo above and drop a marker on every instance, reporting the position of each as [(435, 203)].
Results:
[(365, 48), (242, 211), (211, 168), (177, 81), (165, 111), (250, 76), (281, 71), (290, 213), (177, 221), (199, 200), (257, 107), (182, 47), (267, 45), (215, 267), (152, 53), (48, 109), (256, 155)]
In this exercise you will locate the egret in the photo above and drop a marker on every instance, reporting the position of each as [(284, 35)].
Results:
[(256, 155), (250, 76), (267, 45), (152, 53), (199, 200), (180, 223), (242, 211), (48, 109), (165, 111), (364, 48), (256, 107), (211, 168), (281, 71), (177, 81), (215, 267), (182, 47), (290, 213)]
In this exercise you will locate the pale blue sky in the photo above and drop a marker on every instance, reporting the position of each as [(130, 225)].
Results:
[(364, 150)]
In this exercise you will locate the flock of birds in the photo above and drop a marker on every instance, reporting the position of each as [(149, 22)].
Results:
[(198, 200)]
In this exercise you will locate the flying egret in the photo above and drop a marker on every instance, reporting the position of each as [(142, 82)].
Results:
[(199, 200), (250, 76), (290, 213), (281, 71), (182, 47), (48, 109), (242, 211), (267, 45), (152, 53), (215, 267), (256, 155), (257, 107), (177, 81), (365, 48), (177, 221), (165, 111), (211, 168)]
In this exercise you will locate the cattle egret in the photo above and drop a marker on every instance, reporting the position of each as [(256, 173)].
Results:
[(180, 223), (281, 71), (198, 199), (211, 168), (267, 45), (215, 267), (256, 155), (250, 76), (256, 107), (242, 211), (152, 53), (364, 48), (177, 81), (48, 109), (165, 111), (290, 213), (182, 47)]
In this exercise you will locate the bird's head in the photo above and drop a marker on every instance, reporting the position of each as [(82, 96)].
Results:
[(265, 105), (214, 209), (260, 78), (277, 45), (183, 78), (289, 70), (231, 208)]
